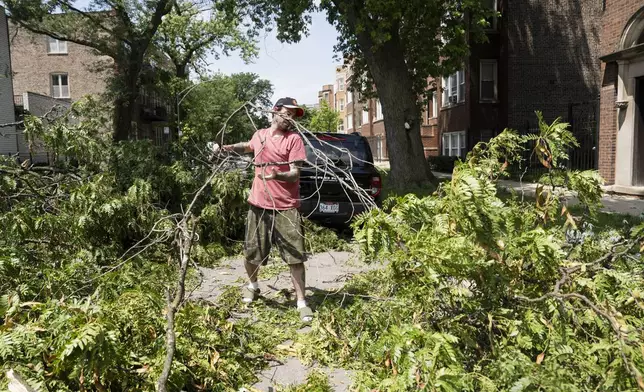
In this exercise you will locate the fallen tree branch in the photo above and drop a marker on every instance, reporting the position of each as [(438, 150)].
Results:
[(619, 330)]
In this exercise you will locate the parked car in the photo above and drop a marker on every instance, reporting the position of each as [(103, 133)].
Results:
[(324, 198)]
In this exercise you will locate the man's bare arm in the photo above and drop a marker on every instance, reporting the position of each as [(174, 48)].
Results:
[(292, 175), (239, 148)]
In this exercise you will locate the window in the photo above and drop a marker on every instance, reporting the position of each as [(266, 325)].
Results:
[(341, 127), (340, 84), (55, 46), (326, 97), (488, 83), (59, 86), (349, 97), (341, 104), (454, 144), (454, 88), (378, 111), (350, 121), (432, 105), (492, 5), (365, 117)]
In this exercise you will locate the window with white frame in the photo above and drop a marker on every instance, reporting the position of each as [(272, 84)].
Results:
[(341, 104), (350, 121), (454, 144), (492, 21), (56, 46), (454, 88), (340, 84), (378, 111), (488, 86), (341, 127), (432, 107), (349, 97), (60, 85), (365, 117), (326, 97)]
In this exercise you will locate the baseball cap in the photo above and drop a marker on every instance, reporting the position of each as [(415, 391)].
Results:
[(290, 103)]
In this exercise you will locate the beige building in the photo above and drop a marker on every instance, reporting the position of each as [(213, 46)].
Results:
[(54, 68), (356, 116), (342, 97), (327, 94)]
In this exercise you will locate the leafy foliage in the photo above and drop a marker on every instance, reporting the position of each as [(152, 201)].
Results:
[(212, 104), (325, 119), (483, 293), (87, 253), (189, 33)]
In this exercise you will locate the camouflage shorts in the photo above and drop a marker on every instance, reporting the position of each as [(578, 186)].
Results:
[(267, 227)]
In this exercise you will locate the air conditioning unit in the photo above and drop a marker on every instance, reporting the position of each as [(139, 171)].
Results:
[(453, 99)]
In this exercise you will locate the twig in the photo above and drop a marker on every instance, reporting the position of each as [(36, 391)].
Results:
[(614, 323)]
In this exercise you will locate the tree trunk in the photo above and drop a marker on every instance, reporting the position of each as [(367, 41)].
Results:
[(399, 107), (181, 70), (123, 115), (126, 105)]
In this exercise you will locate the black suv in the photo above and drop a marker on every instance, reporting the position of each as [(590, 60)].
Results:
[(324, 198)]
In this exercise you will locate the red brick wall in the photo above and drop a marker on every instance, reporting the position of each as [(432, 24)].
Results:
[(553, 57), (378, 128), (616, 16), (429, 134), (608, 123), (429, 131)]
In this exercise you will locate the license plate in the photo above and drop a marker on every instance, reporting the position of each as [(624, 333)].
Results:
[(329, 208)]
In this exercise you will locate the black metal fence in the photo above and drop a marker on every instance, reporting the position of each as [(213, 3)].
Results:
[(378, 145), (584, 125)]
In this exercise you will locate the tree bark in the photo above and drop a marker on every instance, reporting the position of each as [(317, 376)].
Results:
[(123, 113), (185, 238), (126, 104), (399, 103), (399, 107)]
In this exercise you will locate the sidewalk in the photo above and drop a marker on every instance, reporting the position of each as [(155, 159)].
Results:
[(613, 203)]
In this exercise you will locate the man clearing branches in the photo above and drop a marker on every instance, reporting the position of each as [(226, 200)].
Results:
[(274, 200)]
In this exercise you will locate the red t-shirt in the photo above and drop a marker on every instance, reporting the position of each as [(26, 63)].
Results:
[(274, 194)]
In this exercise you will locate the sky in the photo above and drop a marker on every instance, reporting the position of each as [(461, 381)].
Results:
[(298, 70)]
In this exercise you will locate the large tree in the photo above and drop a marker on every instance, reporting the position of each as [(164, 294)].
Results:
[(393, 47), (121, 29), (209, 106), (134, 32), (192, 31)]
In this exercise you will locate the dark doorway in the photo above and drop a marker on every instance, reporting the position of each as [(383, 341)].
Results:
[(638, 150)]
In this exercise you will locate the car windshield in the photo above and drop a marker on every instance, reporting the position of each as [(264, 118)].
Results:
[(341, 151)]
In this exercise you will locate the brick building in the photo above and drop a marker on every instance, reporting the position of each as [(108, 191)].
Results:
[(621, 140), (540, 55), (327, 94), (358, 115), (68, 71), (59, 69), (342, 98)]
